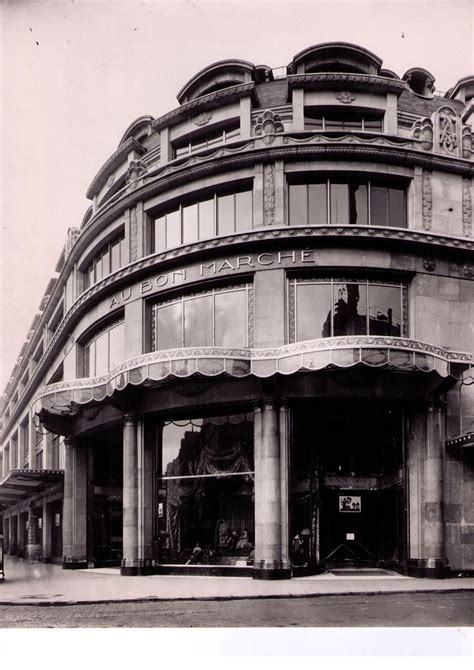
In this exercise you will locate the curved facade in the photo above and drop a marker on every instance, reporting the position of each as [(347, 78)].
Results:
[(255, 357)]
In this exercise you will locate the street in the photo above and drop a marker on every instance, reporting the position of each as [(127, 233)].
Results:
[(402, 610)]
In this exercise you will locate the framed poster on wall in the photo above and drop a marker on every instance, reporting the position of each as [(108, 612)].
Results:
[(350, 504)]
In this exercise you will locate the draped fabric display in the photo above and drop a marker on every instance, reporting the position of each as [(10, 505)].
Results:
[(206, 490)]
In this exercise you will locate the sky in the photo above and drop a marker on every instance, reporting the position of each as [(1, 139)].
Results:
[(75, 73)]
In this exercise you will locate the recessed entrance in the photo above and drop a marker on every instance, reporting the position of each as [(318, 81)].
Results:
[(347, 485)]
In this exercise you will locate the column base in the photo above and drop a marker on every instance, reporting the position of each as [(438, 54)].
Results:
[(431, 568), (33, 552), (271, 570), (73, 563)]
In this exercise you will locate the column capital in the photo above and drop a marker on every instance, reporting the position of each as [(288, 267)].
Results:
[(437, 405), (69, 442), (129, 419)]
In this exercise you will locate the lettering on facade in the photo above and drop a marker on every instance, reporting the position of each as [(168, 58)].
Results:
[(214, 268)]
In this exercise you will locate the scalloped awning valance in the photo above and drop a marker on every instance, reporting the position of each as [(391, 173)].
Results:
[(390, 353)]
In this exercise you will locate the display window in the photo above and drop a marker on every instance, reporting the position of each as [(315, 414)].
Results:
[(205, 491)]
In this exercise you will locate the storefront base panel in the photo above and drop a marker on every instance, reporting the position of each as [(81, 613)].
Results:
[(431, 568), (272, 574), (205, 570), (74, 563)]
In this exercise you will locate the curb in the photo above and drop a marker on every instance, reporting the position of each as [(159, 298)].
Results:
[(153, 599)]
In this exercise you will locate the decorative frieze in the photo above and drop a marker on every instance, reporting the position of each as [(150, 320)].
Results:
[(268, 195), (427, 199), (466, 207)]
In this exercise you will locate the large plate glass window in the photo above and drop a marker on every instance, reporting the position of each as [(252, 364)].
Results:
[(220, 317), (105, 350), (353, 202), (334, 307), (219, 214), (205, 487)]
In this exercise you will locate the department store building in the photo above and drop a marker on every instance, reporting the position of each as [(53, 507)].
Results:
[(255, 355)]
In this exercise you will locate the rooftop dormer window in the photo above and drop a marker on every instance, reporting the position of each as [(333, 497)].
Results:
[(328, 118), (199, 141)]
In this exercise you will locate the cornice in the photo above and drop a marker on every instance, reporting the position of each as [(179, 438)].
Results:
[(112, 164), (209, 101), (392, 353), (350, 82)]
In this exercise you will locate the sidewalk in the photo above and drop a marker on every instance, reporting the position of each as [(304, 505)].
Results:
[(43, 584)]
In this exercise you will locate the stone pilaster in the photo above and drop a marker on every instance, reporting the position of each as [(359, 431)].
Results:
[(145, 497), (47, 533), (75, 506), (33, 544), (21, 536), (269, 554), (427, 551), (130, 496)]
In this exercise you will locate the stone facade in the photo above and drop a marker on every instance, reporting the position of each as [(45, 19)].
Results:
[(343, 197)]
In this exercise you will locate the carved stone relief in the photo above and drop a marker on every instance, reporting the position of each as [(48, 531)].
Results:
[(422, 130), (202, 119), (268, 195), (346, 97), (466, 207), (466, 142), (136, 170), (72, 235), (447, 130), (429, 264), (267, 125), (427, 199)]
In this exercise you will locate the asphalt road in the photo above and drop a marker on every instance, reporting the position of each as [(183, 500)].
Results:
[(408, 609)]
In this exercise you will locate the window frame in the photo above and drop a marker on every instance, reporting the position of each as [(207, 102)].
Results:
[(334, 179), (179, 208), (87, 341), (106, 249), (181, 299), (293, 282)]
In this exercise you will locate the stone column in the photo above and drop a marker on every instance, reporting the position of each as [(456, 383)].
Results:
[(14, 535), (284, 474), (269, 563), (130, 496), (146, 435), (21, 536), (427, 551), (47, 533), (75, 506), (33, 545), (48, 451)]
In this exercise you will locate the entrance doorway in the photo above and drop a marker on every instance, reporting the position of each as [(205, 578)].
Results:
[(347, 485)]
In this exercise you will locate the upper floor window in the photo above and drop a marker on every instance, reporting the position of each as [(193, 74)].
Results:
[(336, 307), (198, 141), (111, 257), (327, 118), (219, 318), (218, 214), (105, 350), (364, 202)]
